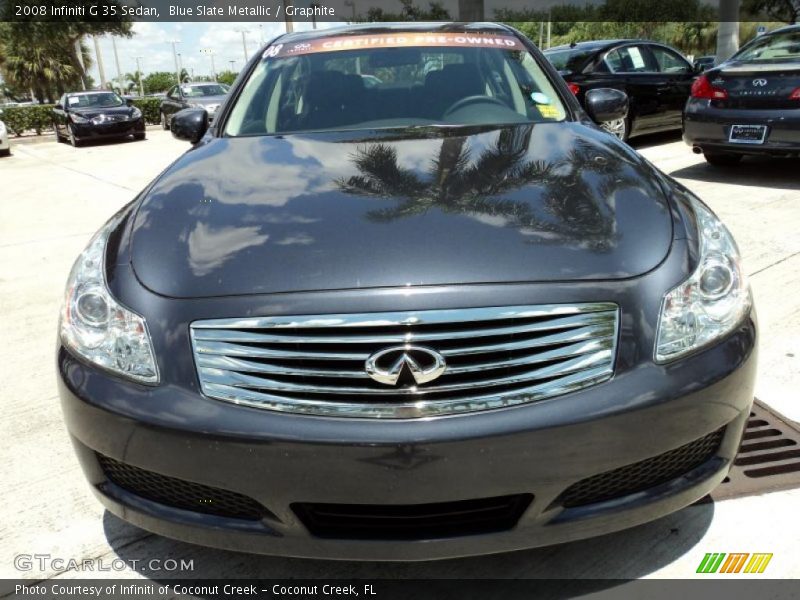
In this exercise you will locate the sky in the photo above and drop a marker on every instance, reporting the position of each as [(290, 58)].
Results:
[(151, 42)]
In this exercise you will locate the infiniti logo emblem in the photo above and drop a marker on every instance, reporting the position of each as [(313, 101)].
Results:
[(759, 82), (386, 366)]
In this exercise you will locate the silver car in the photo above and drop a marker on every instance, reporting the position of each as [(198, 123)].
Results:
[(5, 146)]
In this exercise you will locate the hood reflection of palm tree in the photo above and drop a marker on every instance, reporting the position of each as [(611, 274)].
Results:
[(569, 210)]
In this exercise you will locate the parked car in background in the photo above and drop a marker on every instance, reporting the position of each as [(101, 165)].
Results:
[(704, 63), (750, 104), (440, 315), (205, 95), (5, 146), (82, 116), (656, 78)]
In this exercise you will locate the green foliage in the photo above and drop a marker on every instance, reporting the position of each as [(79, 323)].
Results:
[(45, 57), (158, 81), (785, 11), (150, 109), (411, 12), (37, 117), (227, 77)]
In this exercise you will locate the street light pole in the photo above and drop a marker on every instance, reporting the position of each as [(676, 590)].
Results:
[(99, 57), (175, 58), (116, 60), (244, 41), (352, 5), (79, 56), (210, 53), (139, 74)]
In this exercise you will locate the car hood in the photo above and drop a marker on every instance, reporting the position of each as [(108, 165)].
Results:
[(533, 203)]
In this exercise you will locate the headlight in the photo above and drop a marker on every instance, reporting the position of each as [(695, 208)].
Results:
[(77, 118), (97, 327), (136, 113), (712, 302)]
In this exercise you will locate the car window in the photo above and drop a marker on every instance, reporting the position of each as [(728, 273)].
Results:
[(369, 82), (572, 60), (198, 91), (669, 61), (98, 100), (628, 59), (777, 46), (173, 93)]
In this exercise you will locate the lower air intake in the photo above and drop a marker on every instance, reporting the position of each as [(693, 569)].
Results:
[(413, 521), (178, 493), (644, 474)]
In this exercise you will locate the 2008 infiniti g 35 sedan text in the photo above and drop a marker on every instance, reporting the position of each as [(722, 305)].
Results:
[(404, 300)]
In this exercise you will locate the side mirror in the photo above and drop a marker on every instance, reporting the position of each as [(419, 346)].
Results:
[(129, 101), (606, 104), (58, 107), (189, 125)]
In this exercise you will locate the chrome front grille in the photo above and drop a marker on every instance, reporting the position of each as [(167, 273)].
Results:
[(495, 357)]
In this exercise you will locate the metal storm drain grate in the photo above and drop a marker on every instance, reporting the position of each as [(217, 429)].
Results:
[(768, 459)]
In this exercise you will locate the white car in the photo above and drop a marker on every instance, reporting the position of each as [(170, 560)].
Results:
[(5, 147)]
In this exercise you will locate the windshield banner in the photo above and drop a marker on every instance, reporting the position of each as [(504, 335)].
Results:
[(399, 40)]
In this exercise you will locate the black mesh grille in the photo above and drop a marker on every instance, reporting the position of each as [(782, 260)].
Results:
[(413, 521), (644, 474), (179, 493)]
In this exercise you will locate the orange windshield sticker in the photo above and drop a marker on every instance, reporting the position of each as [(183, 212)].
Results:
[(399, 40)]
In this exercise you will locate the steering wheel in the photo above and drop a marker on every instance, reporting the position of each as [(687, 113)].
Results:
[(470, 100)]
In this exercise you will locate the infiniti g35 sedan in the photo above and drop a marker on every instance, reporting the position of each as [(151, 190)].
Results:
[(83, 116), (750, 104), (438, 314)]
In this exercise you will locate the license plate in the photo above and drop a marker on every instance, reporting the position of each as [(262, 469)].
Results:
[(748, 134)]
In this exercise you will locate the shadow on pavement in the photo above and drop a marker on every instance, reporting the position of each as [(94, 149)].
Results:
[(656, 139), (601, 562), (777, 173)]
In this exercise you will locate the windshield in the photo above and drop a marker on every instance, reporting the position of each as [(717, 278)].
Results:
[(101, 100), (390, 81), (568, 60), (198, 91), (778, 46)]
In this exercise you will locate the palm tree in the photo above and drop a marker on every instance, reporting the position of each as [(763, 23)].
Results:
[(133, 81), (577, 190), (34, 59)]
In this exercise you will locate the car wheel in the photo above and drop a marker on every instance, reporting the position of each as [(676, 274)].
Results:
[(139, 136), (618, 128), (722, 159), (6, 152), (59, 139), (72, 139), (164, 123)]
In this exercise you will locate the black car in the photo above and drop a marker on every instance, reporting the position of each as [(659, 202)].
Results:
[(82, 116), (206, 95), (441, 315), (656, 78), (750, 104)]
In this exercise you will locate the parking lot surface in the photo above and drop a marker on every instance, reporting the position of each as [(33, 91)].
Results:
[(53, 197)]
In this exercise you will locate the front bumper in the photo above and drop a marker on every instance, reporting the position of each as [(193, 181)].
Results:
[(540, 449), (709, 128), (90, 131)]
